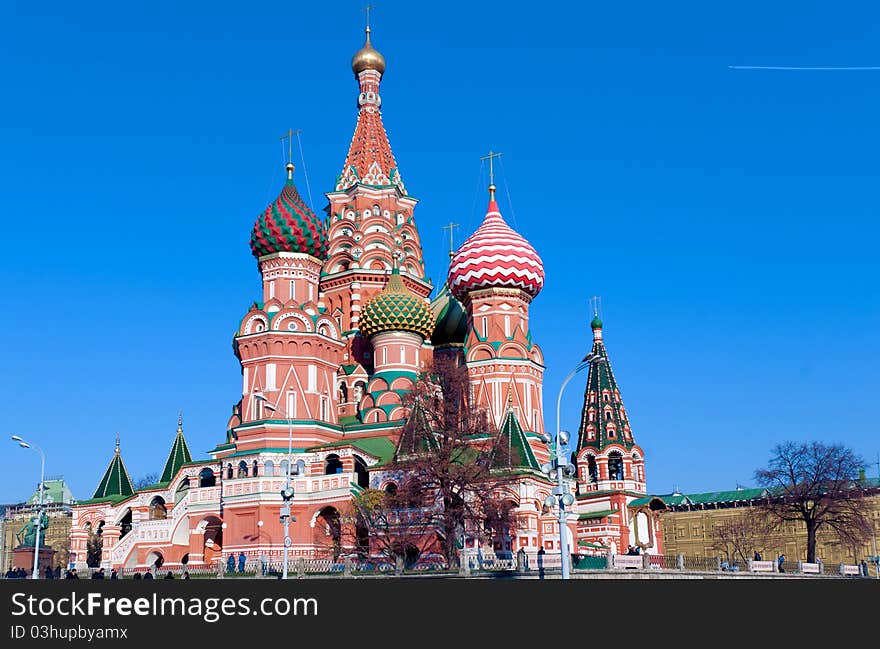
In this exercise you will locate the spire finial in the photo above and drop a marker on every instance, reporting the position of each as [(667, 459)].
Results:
[(289, 137), (596, 324), (490, 157), (180, 421), (451, 227), (117, 444), (367, 11)]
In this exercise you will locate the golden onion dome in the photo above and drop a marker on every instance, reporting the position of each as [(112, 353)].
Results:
[(367, 58)]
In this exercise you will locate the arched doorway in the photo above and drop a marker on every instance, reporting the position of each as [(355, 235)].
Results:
[(156, 559), (207, 478), (125, 524), (361, 473), (158, 511), (182, 488), (332, 464), (328, 531), (212, 539)]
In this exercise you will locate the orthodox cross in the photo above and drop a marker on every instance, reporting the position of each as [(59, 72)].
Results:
[(490, 157), (289, 137), (595, 305), (451, 227), (117, 443), (367, 10)]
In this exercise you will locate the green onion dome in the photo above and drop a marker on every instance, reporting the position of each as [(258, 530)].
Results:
[(450, 319), (396, 308), (596, 323), (288, 225)]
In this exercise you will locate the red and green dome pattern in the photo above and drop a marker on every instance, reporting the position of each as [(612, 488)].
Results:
[(288, 225), (396, 308)]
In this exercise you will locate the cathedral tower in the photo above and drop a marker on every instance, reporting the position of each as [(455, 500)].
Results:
[(496, 274)]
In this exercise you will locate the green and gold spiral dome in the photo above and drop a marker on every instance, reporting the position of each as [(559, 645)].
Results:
[(396, 308)]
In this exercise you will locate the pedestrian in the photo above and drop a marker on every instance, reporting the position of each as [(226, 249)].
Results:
[(48, 573), (58, 571), (98, 574), (757, 556), (148, 575), (863, 568), (114, 574), (230, 564), (169, 575), (137, 575), (780, 562), (241, 561), (71, 574), (185, 574)]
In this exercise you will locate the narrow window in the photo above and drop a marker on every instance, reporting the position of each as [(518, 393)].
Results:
[(313, 378), (292, 290), (402, 354), (271, 289), (270, 376), (485, 328), (507, 326)]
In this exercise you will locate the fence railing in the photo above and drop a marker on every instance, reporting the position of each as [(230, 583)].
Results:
[(489, 565)]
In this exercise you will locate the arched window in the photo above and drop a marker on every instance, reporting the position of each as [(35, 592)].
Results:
[(360, 469), (284, 466), (269, 468), (206, 478), (607, 415), (158, 511), (343, 393), (592, 469), (242, 469), (615, 466), (256, 469), (229, 473), (125, 524), (391, 489), (182, 488), (332, 464)]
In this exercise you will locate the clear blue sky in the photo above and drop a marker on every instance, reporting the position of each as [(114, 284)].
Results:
[(728, 218)]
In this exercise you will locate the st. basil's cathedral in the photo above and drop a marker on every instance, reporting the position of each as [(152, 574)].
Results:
[(339, 337)]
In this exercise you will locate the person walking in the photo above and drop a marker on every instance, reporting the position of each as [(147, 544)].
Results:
[(757, 556), (114, 574), (230, 563), (48, 573), (780, 561), (241, 561)]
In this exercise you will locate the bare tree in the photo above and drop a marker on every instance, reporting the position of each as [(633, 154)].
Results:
[(816, 484), (446, 454), (146, 481), (740, 535), (399, 526)]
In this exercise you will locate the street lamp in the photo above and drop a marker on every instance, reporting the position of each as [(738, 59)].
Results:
[(287, 492), (558, 466), (38, 523), (557, 469)]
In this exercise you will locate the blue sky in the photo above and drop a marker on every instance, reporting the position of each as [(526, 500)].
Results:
[(729, 219)]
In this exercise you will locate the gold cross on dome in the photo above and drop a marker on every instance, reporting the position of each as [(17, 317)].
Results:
[(451, 227), (367, 10), (490, 158)]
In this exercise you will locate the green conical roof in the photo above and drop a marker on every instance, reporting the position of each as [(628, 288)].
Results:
[(512, 450), (179, 454), (115, 481), (416, 437), (603, 416), (396, 308)]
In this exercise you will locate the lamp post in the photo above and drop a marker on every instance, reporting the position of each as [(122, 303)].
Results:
[(560, 465), (38, 523), (287, 492)]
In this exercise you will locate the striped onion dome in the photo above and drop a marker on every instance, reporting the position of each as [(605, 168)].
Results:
[(495, 256), (288, 225), (396, 308)]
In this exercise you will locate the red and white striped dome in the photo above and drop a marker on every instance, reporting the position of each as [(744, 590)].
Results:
[(495, 256)]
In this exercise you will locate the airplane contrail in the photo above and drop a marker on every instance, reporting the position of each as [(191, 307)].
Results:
[(796, 67)]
